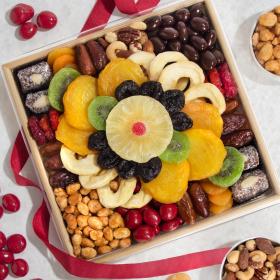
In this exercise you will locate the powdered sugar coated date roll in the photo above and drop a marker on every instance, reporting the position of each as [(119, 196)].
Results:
[(34, 77), (251, 157), (249, 186)]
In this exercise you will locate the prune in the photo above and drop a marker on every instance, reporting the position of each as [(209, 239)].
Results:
[(97, 141), (108, 159), (126, 89), (62, 179), (149, 170), (126, 169), (152, 89), (173, 100), (181, 121)]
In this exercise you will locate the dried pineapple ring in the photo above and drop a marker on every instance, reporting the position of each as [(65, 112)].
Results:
[(209, 91), (183, 69), (161, 60), (98, 181), (83, 166), (138, 200), (109, 199), (142, 58)]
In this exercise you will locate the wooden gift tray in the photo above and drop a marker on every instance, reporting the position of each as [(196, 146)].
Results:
[(270, 198)]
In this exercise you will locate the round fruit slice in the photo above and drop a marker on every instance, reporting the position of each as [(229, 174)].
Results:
[(76, 100), (205, 116), (207, 153), (231, 170), (171, 183), (177, 150), (53, 55), (74, 139), (58, 86), (99, 109), (139, 128), (117, 71)]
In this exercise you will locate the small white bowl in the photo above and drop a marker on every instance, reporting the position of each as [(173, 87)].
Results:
[(235, 246), (265, 72)]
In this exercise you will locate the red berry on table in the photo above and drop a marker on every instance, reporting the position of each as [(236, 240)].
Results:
[(16, 243), (28, 30), (168, 211), (3, 271), (21, 13), (133, 219), (151, 217), (20, 267), (144, 233), (46, 20), (1, 211), (6, 257), (3, 240), (11, 202)]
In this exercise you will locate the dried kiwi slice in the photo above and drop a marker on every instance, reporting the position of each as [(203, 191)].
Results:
[(178, 149), (58, 86), (99, 109), (232, 169)]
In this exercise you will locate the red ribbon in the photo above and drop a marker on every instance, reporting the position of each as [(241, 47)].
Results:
[(99, 16)]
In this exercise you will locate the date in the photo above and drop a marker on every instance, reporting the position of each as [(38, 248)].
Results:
[(238, 139), (97, 54), (186, 209), (233, 122), (200, 200)]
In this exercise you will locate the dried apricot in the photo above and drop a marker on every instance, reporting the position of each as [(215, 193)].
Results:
[(53, 55), (205, 116), (63, 61), (117, 71), (221, 199), (74, 139), (212, 189), (207, 153), (216, 209)]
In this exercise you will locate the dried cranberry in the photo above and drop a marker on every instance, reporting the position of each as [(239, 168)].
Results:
[(168, 211), (20, 267), (151, 217), (3, 271), (6, 257), (16, 243), (144, 233), (11, 202), (3, 240), (133, 219)]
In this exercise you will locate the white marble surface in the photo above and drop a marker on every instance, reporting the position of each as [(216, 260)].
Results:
[(237, 17)]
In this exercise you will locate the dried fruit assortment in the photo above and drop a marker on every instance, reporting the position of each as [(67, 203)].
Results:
[(141, 131), (254, 259)]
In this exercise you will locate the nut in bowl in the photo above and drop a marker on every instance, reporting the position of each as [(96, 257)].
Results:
[(265, 42), (253, 258)]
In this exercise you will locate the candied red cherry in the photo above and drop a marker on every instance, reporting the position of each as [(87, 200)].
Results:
[(27, 30), (46, 20), (144, 233), (11, 202), (142, 209), (157, 230), (16, 243), (171, 225), (6, 257), (20, 267), (1, 211), (168, 211), (133, 219), (3, 271), (3, 240), (21, 13), (122, 211), (151, 217)]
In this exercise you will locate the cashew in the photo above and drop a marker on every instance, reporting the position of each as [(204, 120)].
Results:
[(251, 245), (142, 58), (135, 47), (138, 200), (273, 257), (269, 264), (271, 274), (113, 47), (111, 37), (98, 181), (233, 257), (245, 275), (232, 267), (258, 256), (140, 25)]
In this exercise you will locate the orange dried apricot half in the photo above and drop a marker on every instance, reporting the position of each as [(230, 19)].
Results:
[(53, 55), (74, 139), (204, 115), (171, 183), (207, 153), (216, 209), (212, 189), (117, 71), (63, 61), (221, 199), (76, 100)]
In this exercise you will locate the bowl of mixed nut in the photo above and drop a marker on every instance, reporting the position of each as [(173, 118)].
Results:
[(265, 42), (253, 258)]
